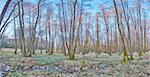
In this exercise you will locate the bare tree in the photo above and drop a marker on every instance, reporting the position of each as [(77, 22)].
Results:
[(126, 18), (97, 32), (22, 37), (145, 33), (139, 19), (121, 34), (71, 46), (64, 23), (105, 17), (32, 43)]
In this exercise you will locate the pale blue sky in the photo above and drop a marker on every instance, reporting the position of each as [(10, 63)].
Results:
[(94, 3)]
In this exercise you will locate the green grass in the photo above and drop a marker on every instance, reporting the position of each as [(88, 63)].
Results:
[(45, 59), (48, 59)]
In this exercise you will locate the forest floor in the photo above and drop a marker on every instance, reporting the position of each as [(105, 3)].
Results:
[(58, 65)]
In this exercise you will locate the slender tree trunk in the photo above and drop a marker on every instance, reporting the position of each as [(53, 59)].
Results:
[(107, 30), (140, 28), (116, 37), (49, 39), (52, 47), (15, 34), (41, 46), (97, 31), (145, 34)]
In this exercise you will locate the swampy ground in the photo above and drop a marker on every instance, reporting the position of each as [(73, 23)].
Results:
[(58, 65)]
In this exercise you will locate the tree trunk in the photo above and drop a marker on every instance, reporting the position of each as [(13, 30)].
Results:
[(15, 34)]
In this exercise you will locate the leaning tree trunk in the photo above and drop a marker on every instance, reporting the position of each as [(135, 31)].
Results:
[(125, 57), (126, 17), (4, 11)]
